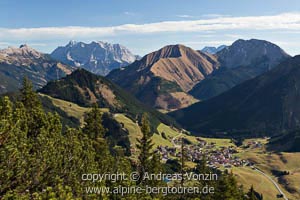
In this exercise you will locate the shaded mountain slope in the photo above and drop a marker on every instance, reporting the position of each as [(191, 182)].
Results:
[(243, 60), (268, 103), (287, 142)]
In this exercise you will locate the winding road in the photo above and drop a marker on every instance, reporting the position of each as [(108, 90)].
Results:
[(274, 183)]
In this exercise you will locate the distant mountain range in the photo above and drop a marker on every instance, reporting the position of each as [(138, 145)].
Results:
[(250, 86), (213, 50), (17, 63), (162, 78), (97, 57), (267, 104), (177, 76), (170, 78)]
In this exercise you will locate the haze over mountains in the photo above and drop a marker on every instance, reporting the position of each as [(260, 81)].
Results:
[(17, 63), (97, 57)]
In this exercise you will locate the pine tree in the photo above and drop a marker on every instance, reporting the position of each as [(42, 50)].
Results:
[(93, 123), (38, 160), (28, 97), (227, 188), (36, 117), (5, 118), (201, 166), (156, 168), (14, 149), (145, 146), (95, 131), (251, 194), (183, 161)]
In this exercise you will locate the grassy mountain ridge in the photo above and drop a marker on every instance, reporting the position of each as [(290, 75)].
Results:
[(85, 89)]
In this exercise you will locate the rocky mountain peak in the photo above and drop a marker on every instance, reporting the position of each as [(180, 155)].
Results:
[(22, 54), (249, 52), (213, 50), (98, 57), (72, 43), (171, 51)]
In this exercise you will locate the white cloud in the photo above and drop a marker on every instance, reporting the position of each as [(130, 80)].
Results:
[(184, 16), (214, 15), (285, 21)]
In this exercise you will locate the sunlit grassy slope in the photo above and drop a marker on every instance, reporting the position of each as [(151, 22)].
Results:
[(262, 184), (135, 132), (78, 112), (71, 109), (269, 161), (132, 127)]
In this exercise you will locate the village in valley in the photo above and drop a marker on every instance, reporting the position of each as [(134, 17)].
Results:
[(216, 156)]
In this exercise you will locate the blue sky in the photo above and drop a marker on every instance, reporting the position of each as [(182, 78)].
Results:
[(144, 26)]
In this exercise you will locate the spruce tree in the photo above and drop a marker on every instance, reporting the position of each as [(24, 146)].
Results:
[(28, 97), (93, 123), (182, 161), (5, 119), (227, 188), (251, 194), (94, 129), (35, 114), (145, 147)]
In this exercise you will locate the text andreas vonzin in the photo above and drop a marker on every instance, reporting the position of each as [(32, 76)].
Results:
[(191, 176)]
